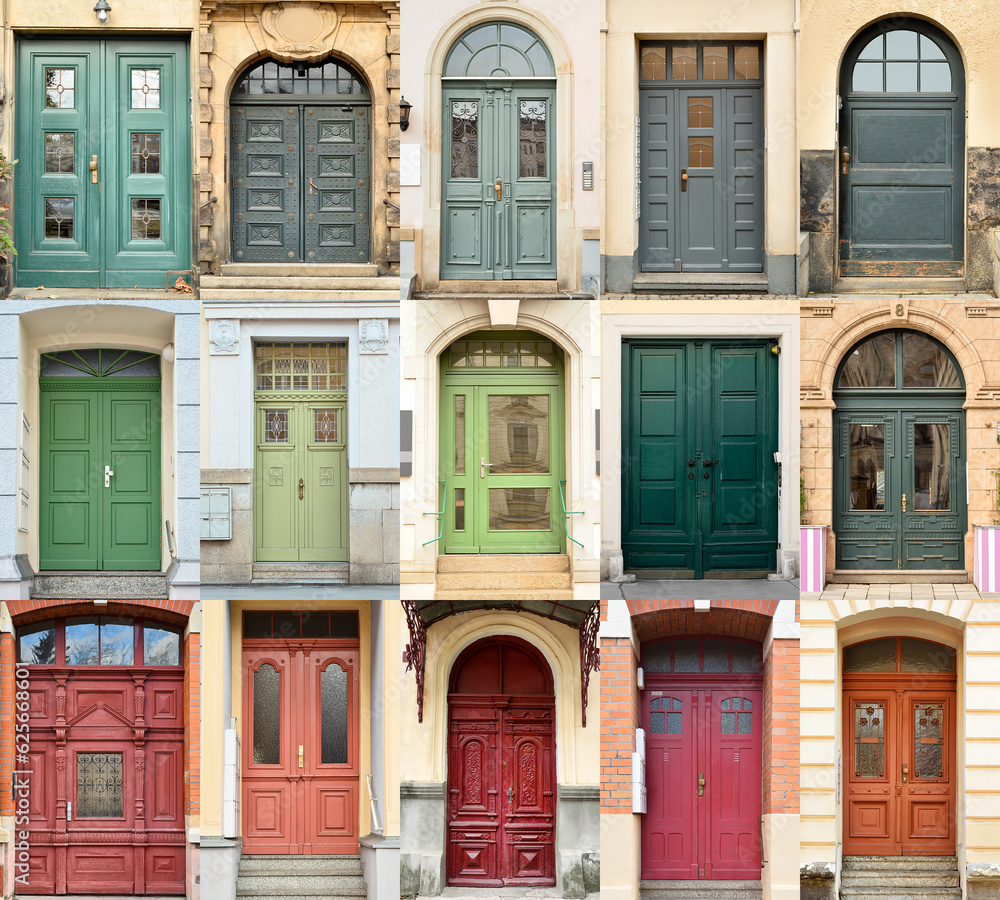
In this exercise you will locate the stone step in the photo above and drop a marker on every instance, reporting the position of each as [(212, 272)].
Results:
[(511, 562), (297, 573), (297, 282), (511, 581), (894, 892), (899, 576), (700, 890), (899, 863), (513, 596), (320, 865), (277, 885), (910, 878), (310, 270), (299, 295), (99, 585), (325, 892)]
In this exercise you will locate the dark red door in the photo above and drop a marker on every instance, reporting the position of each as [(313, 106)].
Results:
[(301, 784), (501, 767), (106, 797)]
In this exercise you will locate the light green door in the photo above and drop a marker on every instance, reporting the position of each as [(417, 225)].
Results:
[(502, 440), (103, 190), (301, 483), (99, 476)]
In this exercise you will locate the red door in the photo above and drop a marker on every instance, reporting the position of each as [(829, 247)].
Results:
[(106, 811), (300, 772), (501, 767)]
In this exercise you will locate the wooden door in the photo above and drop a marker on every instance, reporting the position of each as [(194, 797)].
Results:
[(103, 128), (300, 777), (901, 156), (701, 153), (699, 435)]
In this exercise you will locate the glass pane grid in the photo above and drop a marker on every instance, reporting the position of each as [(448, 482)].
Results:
[(532, 139), (145, 153), (301, 366), (869, 740), (327, 78), (145, 88), (59, 217), (60, 88), (502, 354), (60, 149), (146, 214), (464, 139), (99, 785), (902, 62)]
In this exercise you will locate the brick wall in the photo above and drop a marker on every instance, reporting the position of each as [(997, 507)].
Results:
[(7, 718), (748, 619), (192, 724), (24, 611), (619, 719), (781, 728)]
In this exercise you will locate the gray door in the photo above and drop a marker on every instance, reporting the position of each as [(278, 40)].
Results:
[(701, 146)]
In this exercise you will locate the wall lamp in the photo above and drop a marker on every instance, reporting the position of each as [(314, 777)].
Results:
[(102, 9), (404, 109)]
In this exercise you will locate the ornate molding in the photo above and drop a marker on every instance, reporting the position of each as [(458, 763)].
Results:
[(590, 652), (374, 336), (296, 32), (416, 651), (224, 337)]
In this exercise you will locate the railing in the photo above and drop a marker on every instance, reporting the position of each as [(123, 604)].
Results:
[(567, 513), (440, 515)]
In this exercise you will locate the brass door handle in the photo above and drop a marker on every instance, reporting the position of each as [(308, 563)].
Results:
[(301, 486), (845, 160), (499, 188), (312, 188), (701, 785), (904, 502), (301, 756), (93, 169), (684, 179), (906, 771)]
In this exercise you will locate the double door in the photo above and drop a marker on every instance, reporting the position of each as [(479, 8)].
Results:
[(502, 466), (300, 771), (100, 477), (702, 198), (498, 205), (899, 770), (301, 488), (700, 431), (501, 791), (103, 187), (703, 781), (900, 489), (301, 183)]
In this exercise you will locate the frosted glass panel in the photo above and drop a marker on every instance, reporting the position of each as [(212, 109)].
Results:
[(926, 656), (333, 696), (871, 656), (267, 716)]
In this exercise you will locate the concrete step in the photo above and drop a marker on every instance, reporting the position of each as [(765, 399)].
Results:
[(322, 892), (896, 892), (878, 878), (267, 877), (278, 884), (899, 576), (298, 573), (319, 865), (510, 581), (297, 282), (554, 596), (899, 863), (700, 890), (99, 585), (310, 270), (512, 562), (281, 295)]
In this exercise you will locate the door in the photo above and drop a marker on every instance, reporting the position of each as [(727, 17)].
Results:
[(103, 196), (902, 153), (301, 171), (700, 432), (300, 773), (106, 760), (100, 476), (701, 153)]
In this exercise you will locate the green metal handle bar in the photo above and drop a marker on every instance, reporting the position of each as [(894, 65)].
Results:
[(440, 515), (567, 513)]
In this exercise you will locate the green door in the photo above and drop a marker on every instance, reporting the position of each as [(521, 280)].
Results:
[(301, 180), (502, 453), (301, 485), (902, 153), (103, 189), (498, 189), (700, 430), (99, 480), (899, 464)]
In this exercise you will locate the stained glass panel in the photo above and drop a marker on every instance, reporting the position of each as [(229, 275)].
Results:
[(145, 153), (869, 740), (284, 366), (267, 716), (146, 215), (928, 741), (326, 426), (60, 149), (654, 63), (276, 426), (333, 697), (59, 216), (684, 63), (99, 785)]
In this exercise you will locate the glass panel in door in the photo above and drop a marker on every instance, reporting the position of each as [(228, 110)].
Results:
[(932, 529)]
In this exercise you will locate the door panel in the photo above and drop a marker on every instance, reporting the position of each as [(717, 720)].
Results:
[(324, 523)]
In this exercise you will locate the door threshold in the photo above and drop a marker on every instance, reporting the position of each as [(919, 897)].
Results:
[(899, 576), (688, 575), (700, 282), (886, 285), (704, 889), (298, 572)]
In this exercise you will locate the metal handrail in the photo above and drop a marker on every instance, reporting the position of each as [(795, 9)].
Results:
[(440, 515), (567, 513)]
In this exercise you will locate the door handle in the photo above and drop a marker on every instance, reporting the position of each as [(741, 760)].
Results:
[(107, 476), (483, 466), (691, 463), (684, 179), (301, 486), (510, 795), (701, 785), (906, 771), (845, 160), (709, 462), (904, 502), (312, 188), (301, 756), (499, 188), (69, 810), (93, 169)]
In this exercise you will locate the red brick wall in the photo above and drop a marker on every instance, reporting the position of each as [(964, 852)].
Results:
[(192, 724), (619, 719), (7, 668), (25, 611), (781, 728)]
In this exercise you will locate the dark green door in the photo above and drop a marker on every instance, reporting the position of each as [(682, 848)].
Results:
[(103, 187), (700, 430), (902, 153), (100, 467), (701, 157), (301, 179)]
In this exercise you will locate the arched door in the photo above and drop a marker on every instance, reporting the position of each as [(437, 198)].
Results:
[(501, 766), (902, 153), (899, 455), (899, 748), (702, 712), (301, 148), (501, 456), (499, 188)]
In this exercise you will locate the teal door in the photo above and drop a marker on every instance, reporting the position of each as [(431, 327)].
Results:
[(699, 481), (103, 189), (899, 461), (498, 214), (901, 156), (701, 157), (99, 480), (301, 180)]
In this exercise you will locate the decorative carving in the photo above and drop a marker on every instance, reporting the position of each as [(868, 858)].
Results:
[(416, 651), (326, 475), (261, 165), (336, 131), (224, 337), (264, 131), (474, 773), (529, 769), (277, 476), (374, 336), (590, 652), (294, 31), (336, 165)]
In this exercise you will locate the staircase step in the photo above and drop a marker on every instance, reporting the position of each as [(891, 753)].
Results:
[(327, 892), (272, 882), (510, 581), (328, 864), (99, 585), (895, 892), (309, 270), (512, 596), (879, 878), (700, 890), (297, 282), (896, 576), (280, 295), (509, 562), (285, 573), (268, 876), (899, 863)]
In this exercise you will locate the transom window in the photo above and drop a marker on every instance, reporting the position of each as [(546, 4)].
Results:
[(904, 62), (499, 50), (900, 654), (99, 641), (286, 366), (699, 61), (100, 363), (272, 77), (899, 359), (316, 623), (701, 654), (501, 354)]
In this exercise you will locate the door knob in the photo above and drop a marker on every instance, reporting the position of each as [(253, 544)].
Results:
[(107, 476), (904, 502), (906, 771), (93, 169), (301, 756), (845, 160), (701, 785), (684, 179), (499, 188), (483, 466), (301, 486)]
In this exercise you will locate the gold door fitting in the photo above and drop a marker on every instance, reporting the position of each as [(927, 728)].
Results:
[(93, 169), (684, 179), (701, 785), (906, 771), (301, 756), (499, 188), (301, 488), (845, 160), (904, 502)]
